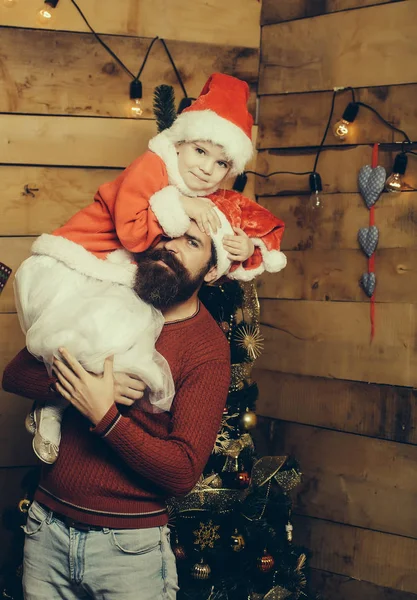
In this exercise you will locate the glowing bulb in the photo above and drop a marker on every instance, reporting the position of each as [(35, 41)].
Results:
[(341, 129), (9, 3), (135, 106), (315, 187), (394, 182), (46, 13), (136, 109)]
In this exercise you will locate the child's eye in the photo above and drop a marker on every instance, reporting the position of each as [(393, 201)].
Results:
[(223, 164), (200, 150)]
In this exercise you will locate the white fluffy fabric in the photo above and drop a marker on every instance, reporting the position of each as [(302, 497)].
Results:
[(223, 262), (168, 209), (117, 267), (206, 125), (274, 260)]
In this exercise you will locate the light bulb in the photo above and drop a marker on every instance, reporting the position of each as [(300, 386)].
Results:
[(9, 3), (341, 129), (135, 93), (315, 187), (135, 108), (394, 182), (46, 13)]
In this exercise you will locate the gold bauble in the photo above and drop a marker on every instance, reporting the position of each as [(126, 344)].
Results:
[(24, 505), (265, 563), (248, 420), (237, 541), (201, 570)]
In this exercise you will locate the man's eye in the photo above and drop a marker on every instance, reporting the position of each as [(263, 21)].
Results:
[(193, 243)]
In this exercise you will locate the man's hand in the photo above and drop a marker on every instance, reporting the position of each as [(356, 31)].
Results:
[(239, 247), (201, 210), (92, 395), (127, 388)]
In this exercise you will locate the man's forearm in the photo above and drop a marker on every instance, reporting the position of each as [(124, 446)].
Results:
[(26, 376)]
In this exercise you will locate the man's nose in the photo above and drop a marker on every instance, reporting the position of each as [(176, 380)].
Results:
[(171, 245)]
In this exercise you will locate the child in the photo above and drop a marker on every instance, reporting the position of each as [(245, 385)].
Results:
[(76, 289)]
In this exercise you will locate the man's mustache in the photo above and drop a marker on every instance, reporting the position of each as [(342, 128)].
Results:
[(166, 257)]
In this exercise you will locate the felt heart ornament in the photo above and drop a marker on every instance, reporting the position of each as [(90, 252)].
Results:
[(371, 183), (368, 239), (368, 283)]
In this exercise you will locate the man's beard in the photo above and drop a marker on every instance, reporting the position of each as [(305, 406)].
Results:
[(161, 286)]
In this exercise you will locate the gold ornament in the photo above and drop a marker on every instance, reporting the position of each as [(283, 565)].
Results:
[(237, 541), (24, 505), (248, 420), (266, 562), (265, 468), (206, 535), (249, 338), (277, 593), (231, 465), (240, 374), (201, 570)]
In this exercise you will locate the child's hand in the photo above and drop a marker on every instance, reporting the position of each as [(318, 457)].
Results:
[(239, 247), (201, 210)]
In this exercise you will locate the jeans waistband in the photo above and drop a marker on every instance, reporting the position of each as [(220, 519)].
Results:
[(68, 522)]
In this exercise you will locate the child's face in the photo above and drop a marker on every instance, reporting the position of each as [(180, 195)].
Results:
[(202, 165)]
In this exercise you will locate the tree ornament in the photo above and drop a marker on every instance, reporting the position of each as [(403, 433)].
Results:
[(5, 273), (289, 529), (201, 570), (277, 593), (24, 505), (179, 552), (237, 541), (248, 420), (206, 535), (242, 479), (266, 562), (164, 106), (248, 337)]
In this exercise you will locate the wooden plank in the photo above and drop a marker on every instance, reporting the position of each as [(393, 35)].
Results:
[(80, 78), (80, 141), (40, 199), (338, 167), (384, 45), (337, 223), (233, 23), (339, 587), (340, 486), (324, 275), (12, 251), (332, 339), (292, 120), (380, 558), (381, 411), (276, 12)]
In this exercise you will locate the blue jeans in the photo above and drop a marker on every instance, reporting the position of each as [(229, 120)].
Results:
[(108, 564)]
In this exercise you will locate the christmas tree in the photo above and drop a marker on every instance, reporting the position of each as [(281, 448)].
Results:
[(232, 534)]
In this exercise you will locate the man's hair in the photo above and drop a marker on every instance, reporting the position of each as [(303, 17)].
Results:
[(213, 257)]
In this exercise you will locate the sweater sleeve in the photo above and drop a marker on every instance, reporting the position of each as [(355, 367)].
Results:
[(26, 376), (176, 462)]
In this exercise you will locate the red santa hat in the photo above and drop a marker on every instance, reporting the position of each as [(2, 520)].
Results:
[(219, 115)]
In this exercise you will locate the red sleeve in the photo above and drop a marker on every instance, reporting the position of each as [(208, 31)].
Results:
[(127, 200), (26, 376), (175, 463)]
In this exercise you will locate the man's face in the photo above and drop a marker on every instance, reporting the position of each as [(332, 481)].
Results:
[(173, 270), (202, 165)]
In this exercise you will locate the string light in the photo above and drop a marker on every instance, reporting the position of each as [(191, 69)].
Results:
[(394, 182), (341, 129), (46, 13), (135, 108), (316, 187)]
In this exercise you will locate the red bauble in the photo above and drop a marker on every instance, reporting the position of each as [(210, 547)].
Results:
[(265, 563), (242, 479)]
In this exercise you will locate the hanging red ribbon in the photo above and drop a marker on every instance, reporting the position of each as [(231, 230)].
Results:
[(371, 260)]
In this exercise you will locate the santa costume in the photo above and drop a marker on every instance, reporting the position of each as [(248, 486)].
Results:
[(76, 288)]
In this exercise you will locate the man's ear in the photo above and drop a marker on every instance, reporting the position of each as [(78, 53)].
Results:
[(211, 275)]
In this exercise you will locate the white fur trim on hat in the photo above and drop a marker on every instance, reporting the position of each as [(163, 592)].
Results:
[(242, 274), (168, 209), (274, 260), (207, 125), (223, 262), (117, 267)]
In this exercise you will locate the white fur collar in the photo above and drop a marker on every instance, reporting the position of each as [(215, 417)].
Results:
[(165, 149)]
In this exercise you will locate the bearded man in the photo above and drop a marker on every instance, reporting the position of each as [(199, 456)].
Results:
[(98, 525)]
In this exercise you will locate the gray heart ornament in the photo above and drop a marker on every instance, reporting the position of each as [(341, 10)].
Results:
[(371, 183), (368, 283), (368, 239)]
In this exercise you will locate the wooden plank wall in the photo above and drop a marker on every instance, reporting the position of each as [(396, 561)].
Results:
[(344, 407), (64, 131)]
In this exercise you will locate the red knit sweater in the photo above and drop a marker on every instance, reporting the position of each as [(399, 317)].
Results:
[(119, 473)]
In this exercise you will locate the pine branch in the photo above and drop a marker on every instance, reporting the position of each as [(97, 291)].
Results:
[(164, 106)]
